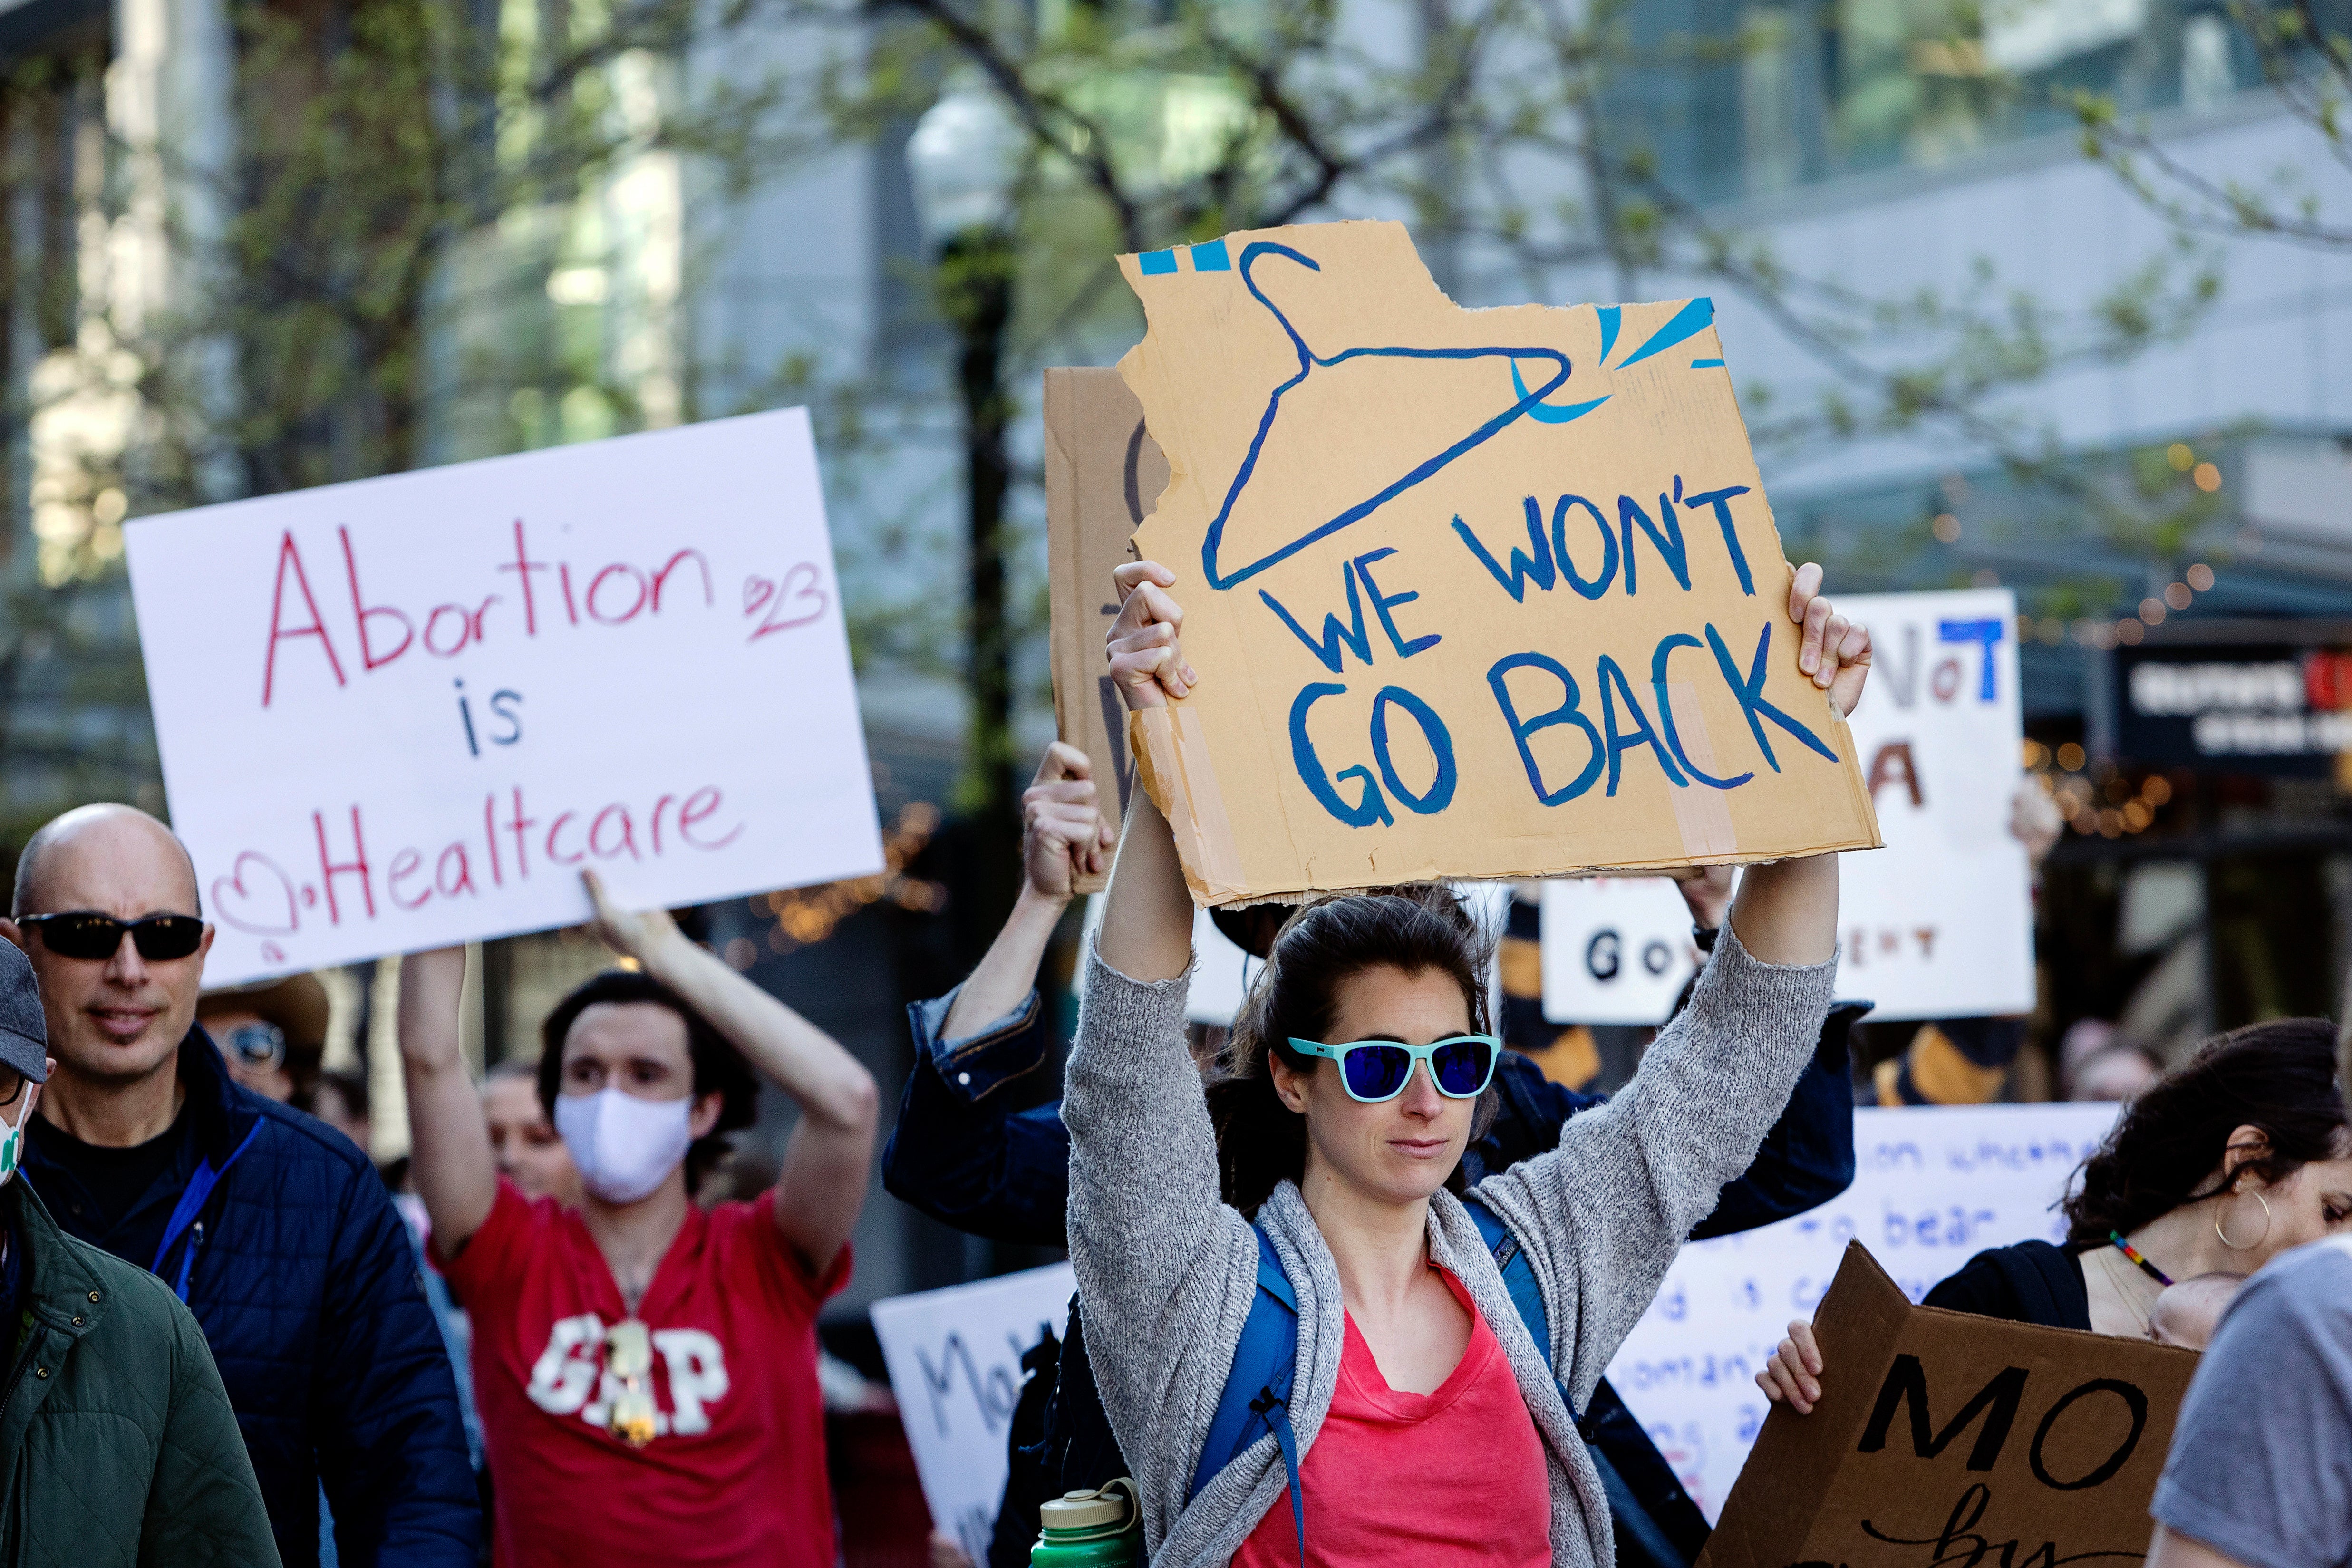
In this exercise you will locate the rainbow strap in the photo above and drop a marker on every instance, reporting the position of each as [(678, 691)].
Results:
[(2128, 1250)]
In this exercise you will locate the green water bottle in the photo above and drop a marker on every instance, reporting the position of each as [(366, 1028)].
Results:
[(1091, 1529)]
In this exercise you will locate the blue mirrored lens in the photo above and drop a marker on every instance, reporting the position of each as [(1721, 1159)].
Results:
[(1460, 1067), (1376, 1072)]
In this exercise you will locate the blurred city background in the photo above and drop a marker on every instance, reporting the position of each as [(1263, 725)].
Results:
[(2055, 295)]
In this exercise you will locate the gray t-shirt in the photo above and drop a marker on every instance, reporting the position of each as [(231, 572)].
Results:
[(2261, 1468)]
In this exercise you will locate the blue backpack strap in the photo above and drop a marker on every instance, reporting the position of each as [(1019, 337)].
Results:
[(1519, 1280), (1256, 1397)]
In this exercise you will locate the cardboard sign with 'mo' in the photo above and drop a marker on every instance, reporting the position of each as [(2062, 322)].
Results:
[(1103, 473), (407, 712), (1944, 1438), (1472, 594)]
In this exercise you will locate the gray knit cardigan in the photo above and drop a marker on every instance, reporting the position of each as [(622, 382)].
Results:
[(1166, 1271)]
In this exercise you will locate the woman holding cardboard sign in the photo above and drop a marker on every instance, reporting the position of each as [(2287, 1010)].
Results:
[(2238, 1154), (1379, 1344)]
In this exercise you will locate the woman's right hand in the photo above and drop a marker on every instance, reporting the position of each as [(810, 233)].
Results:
[(1794, 1371), (1147, 663)]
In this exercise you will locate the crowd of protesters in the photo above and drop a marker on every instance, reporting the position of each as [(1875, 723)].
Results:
[(1355, 1253)]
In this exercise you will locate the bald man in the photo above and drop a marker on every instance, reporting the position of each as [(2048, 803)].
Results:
[(271, 1226)]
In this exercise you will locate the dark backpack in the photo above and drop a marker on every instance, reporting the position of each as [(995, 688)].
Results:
[(1655, 1521)]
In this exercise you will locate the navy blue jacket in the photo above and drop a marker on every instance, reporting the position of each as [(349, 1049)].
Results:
[(305, 1283), (1005, 1175)]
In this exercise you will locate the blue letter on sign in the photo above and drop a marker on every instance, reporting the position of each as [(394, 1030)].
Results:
[(1750, 693), (1566, 713), (1986, 633), (1368, 807), (1433, 730)]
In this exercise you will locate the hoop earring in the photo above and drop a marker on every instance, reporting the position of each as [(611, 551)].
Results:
[(2246, 1247)]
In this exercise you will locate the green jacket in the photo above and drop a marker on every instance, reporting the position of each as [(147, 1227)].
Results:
[(118, 1448)]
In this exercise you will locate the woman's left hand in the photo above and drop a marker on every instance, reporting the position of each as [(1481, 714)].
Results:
[(1835, 651)]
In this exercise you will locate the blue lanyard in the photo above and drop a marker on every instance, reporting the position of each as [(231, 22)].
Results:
[(192, 1204)]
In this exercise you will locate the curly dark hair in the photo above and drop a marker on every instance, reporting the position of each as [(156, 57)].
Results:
[(1417, 927), (719, 1067), (2169, 1147)]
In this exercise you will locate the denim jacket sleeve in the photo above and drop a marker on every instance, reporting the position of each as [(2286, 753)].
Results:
[(958, 1153)]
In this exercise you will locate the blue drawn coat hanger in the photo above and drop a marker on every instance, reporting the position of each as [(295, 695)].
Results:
[(1691, 319)]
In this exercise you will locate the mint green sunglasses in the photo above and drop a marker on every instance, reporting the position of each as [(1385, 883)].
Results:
[(1371, 1071)]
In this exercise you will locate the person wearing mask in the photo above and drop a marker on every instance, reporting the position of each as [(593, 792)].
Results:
[(1357, 1064), (271, 1037), (646, 1371), (2260, 1472), (529, 1153), (2238, 1154), (962, 1153), (114, 1411), (276, 1234)]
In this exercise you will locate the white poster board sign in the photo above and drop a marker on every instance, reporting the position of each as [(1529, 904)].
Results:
[(1616, 949), (1939, 924), (1221, 973), (406, 712), (1932, 1188), (955, 1357)]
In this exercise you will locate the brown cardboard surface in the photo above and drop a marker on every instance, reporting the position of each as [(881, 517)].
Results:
[(1942, 1438), (1383, 699), (1103, 473)]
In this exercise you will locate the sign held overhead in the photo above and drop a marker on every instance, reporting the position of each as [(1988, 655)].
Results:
[(1472, 594), (407, 712)]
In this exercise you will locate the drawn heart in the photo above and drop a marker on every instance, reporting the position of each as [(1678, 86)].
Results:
[(800, 600), (248, 908)]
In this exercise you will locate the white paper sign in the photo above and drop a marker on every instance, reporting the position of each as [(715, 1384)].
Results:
[(1939, 924), (407, 712), (1932, 1188), (1616, 949), (955, 1357)]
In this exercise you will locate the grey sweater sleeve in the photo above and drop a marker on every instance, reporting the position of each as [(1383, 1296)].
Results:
[(1604, 1213), (1165, 1270)]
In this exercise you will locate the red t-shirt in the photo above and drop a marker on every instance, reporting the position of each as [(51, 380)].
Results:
[(1453, 1477), (736, 1470)]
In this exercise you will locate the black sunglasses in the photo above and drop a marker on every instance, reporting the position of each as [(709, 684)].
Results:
[(85, 933)]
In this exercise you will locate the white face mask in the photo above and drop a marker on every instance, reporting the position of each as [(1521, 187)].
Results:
[(625, 1147), (12, 1147)]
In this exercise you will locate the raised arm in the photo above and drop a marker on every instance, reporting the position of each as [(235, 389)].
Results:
[(1604, 1213), (959, 1152), (1160, 1261), (1147, 928), (831, 1151), (456, 1174)]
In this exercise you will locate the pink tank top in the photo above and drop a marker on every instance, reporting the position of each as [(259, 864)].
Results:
[(1452, 1476)]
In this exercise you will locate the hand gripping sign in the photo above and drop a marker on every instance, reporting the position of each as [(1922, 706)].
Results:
[(407, 712), (1472, 594)]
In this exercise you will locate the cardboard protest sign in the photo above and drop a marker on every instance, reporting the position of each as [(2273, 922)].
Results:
[(1616, 949), (954, 1358), (407, 712), (1103, 473), (1941, 1437), (1932, 1187), (1471, 593), (1941, 923)]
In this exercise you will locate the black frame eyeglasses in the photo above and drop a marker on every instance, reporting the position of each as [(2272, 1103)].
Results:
[(88, 934)]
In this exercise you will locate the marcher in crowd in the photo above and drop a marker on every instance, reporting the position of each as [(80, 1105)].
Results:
[(1352, 1171), (646, 1371), (277, 1232), (962, 1154), (339, 1100), (2238, 1154), (118, 1441), (272, 1037), (2260, 1475), (529, 1151)]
